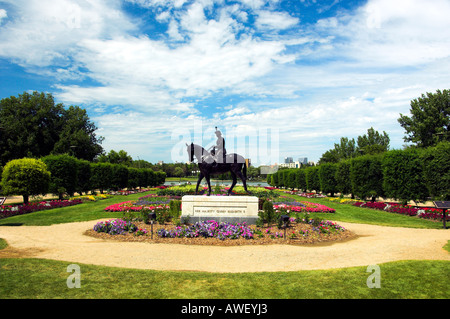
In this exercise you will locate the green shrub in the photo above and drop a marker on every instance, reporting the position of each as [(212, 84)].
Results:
[(175, 208), (143, 177), (436, 169), (269, 179), (83, 176), (327, 173), (63, 169), (301, 179), (267, 215), (160, 178), (403, 175), (291, 180), (119, 178), (101, 177), (312, 178), (26, 177), (342, 176), (151, 178), (133, 177), (366, 175)]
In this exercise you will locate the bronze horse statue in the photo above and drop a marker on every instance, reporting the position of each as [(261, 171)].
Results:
[(233, 163)]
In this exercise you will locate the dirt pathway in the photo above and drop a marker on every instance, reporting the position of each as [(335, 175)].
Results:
[(375, 245)]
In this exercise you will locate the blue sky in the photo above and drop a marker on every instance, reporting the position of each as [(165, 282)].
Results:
[(300, 74)]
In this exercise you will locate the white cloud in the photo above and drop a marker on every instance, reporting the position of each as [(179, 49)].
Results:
[(47, 33), (393, 33), (336, 78), (3, 15), (212, 59), (275, 20)]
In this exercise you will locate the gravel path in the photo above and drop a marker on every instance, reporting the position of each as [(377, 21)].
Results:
[(375, 245)]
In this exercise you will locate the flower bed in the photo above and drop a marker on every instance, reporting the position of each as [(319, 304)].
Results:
[(426, 212), (12, 210), (130, 206), (216, 190), (128, 192), (209, 229), (301, 228), (302, 207), (91, 198), (299, 231), (342, 200), (118, 227)]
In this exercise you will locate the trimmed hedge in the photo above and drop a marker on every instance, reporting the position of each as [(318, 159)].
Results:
[(68, 174), (343, 181), (64, 171), (327, 178), (403, 175), (366, 175), (436, 170), (409, 174)]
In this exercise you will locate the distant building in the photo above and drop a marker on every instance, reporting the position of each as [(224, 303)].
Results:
[(160, 162), (303, 160), (288, 160), (291, 165), (268, 169)]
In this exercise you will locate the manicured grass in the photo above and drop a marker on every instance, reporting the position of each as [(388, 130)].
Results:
[(447, 246), (353, 214), (95, 210), (3, 244), (36, 279), (82, 212)]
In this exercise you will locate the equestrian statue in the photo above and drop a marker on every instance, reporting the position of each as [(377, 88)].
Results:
[(215, 160)]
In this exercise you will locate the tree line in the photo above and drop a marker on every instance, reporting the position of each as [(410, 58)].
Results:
[(366, 168), (32, 125), (410, 174), (416, 174), (65, 174)]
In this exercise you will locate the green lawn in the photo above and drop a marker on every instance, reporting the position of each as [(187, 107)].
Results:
[(82, 212), (39, 278), (33, 278), (353, 214), (95, 210)]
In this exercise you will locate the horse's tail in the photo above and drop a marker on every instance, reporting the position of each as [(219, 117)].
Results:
[(245, 170)]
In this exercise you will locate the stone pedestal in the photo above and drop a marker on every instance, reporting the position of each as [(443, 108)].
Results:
[(232, 209)]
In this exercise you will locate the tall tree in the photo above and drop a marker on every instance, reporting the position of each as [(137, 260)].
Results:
[(114, 157), (373, 142), (430, 119), (29, 125), (77, 136), (346, 148), (32, 125)]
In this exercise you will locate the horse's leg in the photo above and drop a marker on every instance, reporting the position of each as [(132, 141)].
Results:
[(198, 182), (209, 184), (233, 175), (244, 180)]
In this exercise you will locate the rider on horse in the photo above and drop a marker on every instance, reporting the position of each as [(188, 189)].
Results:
[(218, 151)]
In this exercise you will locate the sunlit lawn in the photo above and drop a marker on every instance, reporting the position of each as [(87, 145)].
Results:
[(36, 278)]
